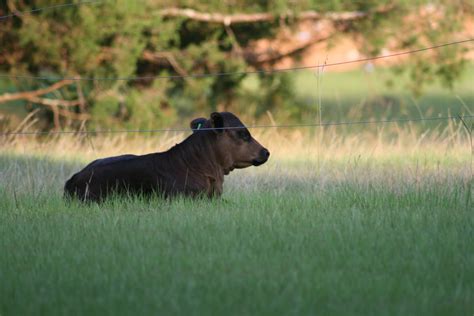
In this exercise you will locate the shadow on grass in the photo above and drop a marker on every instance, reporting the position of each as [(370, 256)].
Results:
[(38, 182)]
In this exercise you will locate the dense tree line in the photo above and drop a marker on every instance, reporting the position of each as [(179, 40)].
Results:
[(124, 38)]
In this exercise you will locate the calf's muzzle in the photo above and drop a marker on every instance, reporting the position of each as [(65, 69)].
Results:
[(262, 157)]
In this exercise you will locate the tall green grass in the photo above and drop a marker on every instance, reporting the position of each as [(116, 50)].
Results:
[(375, 232), (347, 252)]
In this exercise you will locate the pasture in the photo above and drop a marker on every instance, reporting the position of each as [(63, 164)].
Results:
[(365, 207), (333, 224)]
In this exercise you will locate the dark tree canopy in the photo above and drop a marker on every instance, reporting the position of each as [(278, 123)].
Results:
[(124, 38)]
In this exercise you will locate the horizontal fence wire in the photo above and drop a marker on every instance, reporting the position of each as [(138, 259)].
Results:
[(232, 73), (439, 118), (71, 4)]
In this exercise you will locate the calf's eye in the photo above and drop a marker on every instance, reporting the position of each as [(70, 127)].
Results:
[(244, 135)]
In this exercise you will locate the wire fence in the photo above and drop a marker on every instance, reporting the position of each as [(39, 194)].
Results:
[(57, 6), (324, 124)]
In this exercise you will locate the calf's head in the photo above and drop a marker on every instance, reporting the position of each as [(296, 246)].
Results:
[(233, 144)]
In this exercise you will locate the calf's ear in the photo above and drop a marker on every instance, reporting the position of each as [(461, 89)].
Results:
[(198, 123), (217, 121)]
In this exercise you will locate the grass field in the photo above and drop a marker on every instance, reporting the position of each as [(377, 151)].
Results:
[(358, 95), (331, 225)]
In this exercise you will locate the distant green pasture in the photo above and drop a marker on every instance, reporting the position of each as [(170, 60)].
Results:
[(360, 94)]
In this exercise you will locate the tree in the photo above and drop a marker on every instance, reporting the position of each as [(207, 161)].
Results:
[(148, 38)]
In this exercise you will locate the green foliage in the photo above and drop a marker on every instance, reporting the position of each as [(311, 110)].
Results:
[(134, 107), (110, 39), (274, 93)]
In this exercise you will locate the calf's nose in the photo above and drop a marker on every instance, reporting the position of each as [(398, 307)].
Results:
[(264, 153)]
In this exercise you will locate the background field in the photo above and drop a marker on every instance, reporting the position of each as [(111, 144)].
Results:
[(344, 96), (360, 94)]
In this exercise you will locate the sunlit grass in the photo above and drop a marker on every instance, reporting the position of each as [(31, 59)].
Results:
[(373, 223)]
